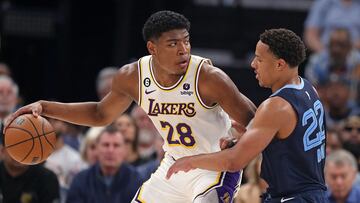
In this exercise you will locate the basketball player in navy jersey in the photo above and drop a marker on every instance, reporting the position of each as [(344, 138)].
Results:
[(288, 127), (186, 97)]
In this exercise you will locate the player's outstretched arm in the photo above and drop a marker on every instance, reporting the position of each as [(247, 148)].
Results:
[(217, 87), (89, 113), (262, 130)]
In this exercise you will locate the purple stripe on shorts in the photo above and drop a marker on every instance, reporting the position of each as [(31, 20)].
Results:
[(229, 186)]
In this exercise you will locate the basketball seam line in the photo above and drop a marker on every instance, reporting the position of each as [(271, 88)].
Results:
[(38, 135), (33, 138), (41, 147), (53, 147)]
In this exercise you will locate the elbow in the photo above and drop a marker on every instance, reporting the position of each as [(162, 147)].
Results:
[(102, 120)]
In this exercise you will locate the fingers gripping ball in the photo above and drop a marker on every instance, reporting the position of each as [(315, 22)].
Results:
[(30, 140)]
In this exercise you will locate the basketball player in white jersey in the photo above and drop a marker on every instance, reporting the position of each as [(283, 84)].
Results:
[(185, 97)]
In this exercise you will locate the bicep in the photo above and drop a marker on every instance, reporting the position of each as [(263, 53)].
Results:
[(119, 98), (237, 105), (262, 130)]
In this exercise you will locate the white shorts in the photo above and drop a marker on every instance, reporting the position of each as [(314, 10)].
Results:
[(187, 187)]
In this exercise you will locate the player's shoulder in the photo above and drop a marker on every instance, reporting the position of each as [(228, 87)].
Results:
[(128, 69), (274, 106), (211, 73), (127, 72)]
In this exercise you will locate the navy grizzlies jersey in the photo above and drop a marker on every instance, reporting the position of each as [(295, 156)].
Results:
[(296, 164)]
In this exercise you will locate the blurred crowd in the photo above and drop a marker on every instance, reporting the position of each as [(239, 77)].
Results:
[(109, 164)]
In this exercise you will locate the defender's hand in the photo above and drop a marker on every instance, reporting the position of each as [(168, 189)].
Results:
[(182, 164), (227, 142), (35, 109)]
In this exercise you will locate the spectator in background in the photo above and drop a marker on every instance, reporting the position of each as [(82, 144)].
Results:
[(146, 135), (350, 136), (4, 69), (333, 141), (126, 125), (340, 173), (150, 167), (65, 162), (111, 180), (252, 190), (339, 60), (104, 81), (327, 15), (338, 106), (88, 150), (8, 99), (26, 184)]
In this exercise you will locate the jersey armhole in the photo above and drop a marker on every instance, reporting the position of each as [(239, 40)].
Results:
[(197, 86), (139, 83)]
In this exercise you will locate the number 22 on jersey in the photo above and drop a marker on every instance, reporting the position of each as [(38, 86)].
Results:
[(311, 140)]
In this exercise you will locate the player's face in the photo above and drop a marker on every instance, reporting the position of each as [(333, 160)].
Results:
[(340, 179), (111, 150), (171, 51), (264, 64)]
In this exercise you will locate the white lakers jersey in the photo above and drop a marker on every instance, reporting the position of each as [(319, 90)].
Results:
[(187, 125)]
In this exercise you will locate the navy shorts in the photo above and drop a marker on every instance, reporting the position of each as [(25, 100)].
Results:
[(315, 196)]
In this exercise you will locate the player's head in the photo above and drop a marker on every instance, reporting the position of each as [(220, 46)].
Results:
[(277, 52), (167, 36)]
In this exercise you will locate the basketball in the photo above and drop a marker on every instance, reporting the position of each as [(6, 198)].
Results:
[(29, 140)]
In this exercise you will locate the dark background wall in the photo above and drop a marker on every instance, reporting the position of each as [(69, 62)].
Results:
[(56, 48)]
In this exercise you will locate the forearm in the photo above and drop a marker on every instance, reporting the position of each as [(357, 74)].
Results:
[(219, 161), (85, 113)]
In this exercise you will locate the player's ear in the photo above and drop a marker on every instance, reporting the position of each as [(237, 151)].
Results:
[(281, 64), (151, 47)]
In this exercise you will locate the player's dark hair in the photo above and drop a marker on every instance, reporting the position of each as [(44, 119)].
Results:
[(163, 21), (285, 44)]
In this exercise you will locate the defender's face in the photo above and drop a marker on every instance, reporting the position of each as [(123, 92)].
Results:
[(264, 64), (171, 51)]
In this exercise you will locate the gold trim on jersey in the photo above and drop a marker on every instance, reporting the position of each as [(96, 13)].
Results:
[(140, 82), (197, 93), (138, 194), (218, 182), (173, 86)]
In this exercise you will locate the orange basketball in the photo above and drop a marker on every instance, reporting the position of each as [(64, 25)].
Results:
[(30, 140)]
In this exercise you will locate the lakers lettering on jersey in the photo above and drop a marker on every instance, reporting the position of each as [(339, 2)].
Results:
[(187, 125)]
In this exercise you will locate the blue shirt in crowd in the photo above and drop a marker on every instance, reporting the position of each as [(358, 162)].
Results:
[(328, 15), (90, 186), (354, 196)]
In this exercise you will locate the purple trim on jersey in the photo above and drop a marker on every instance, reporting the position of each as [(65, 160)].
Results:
[(229, 186)]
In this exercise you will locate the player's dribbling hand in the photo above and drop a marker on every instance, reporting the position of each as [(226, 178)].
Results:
[(182, 164), (34, 108)]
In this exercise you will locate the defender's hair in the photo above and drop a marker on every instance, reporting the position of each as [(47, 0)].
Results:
[(285, 44)]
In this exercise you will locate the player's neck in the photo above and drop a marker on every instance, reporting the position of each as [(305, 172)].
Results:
[(164, 78), (291, 78)]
